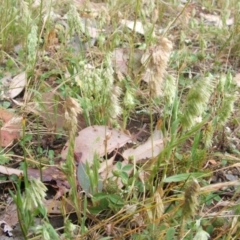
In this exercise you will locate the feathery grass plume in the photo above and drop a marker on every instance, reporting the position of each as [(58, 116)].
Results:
[(128, 99), (207, 134), (159, 208), (190, 198), (221, 83), (227, 90), (155, 61), (72, 109), (70, 230), (74, 21), (147, 8), (99, 94), (196, 102), (114, 108), (24, 11), (46, 231), (226, 108), (170, 89), (32, 43), (34, 195)]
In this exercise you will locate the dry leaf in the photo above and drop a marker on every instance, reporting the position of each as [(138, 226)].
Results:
[(55, 206), (150, 149), (120, 60), (216, 20), (11, 128), (10, 171), (217, 186), (5, 115), (135, 26), (10, 215), (16, 85), (96, 139), (50, 174)]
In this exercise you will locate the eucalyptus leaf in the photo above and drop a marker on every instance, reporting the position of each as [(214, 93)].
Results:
[(83, 178)]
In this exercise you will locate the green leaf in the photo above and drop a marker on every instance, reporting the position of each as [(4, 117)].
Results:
[(4, 159), (185, 176), (99, 196), (83, 178), (102, 205), (116, 199), (119, 165), (124, 178), (127, 167), (170, 234)]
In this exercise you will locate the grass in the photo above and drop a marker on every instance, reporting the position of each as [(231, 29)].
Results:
[(188, 67)]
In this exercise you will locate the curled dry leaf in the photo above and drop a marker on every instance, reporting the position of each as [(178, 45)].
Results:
[(51, 175), (96, 140), (216, 20), (55, 206), (135, 26), (15, 86), (11, 128), (9, 215), (10, 171), (121, 61), (150, 149)]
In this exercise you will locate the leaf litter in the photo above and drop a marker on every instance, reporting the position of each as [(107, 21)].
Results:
[(11, 127), (102, 141)]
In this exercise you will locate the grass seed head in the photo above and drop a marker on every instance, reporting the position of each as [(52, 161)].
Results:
[(72, 109), (34, 195), (32, 44), (191, 198), (156, 59)]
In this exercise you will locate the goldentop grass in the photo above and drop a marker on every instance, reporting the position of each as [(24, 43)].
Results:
[(186, 64)]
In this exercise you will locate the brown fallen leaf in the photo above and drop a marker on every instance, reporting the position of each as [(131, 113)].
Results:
[(10, 171), (10, 215), (216, 186), (216, 20), (11, 129), (50, 174), (96, 140), (5, 115), (136, 26), (150, 149), (14, 86), (121, 61), (55, 206)]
